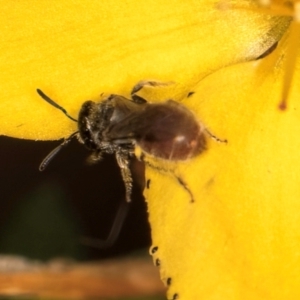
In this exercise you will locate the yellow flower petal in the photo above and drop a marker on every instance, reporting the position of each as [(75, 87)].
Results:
[(76, 50), (240, 239)]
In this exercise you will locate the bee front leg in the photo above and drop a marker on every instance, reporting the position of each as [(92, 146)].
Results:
[(123, 159)]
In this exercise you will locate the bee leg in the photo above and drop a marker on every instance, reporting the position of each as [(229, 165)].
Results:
[(95, 157), (140, 85), (138, 99), (179, 179), (152, 83), (186, 187), (123, 159), (215, 137), (114, 232)]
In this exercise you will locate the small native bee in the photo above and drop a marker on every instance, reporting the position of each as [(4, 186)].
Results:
[(166, 130)]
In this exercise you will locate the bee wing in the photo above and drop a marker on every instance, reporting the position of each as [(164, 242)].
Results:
[(123, 108), (126, 117), (167, 130), (159, 121)]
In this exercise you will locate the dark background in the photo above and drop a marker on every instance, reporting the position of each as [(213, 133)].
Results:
[(43, 215)]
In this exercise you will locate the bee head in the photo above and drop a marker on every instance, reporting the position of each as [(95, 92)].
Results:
[(93, 120)]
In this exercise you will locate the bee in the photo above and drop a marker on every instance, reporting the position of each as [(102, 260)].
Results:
[(116, 125)]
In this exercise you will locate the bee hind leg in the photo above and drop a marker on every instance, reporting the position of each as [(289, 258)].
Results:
[(145, 83), (114, 231)]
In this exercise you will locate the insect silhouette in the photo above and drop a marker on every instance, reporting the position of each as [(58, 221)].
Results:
[(116, 125)]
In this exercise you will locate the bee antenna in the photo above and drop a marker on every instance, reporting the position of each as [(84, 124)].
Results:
[(53, 103), (53, 153)]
